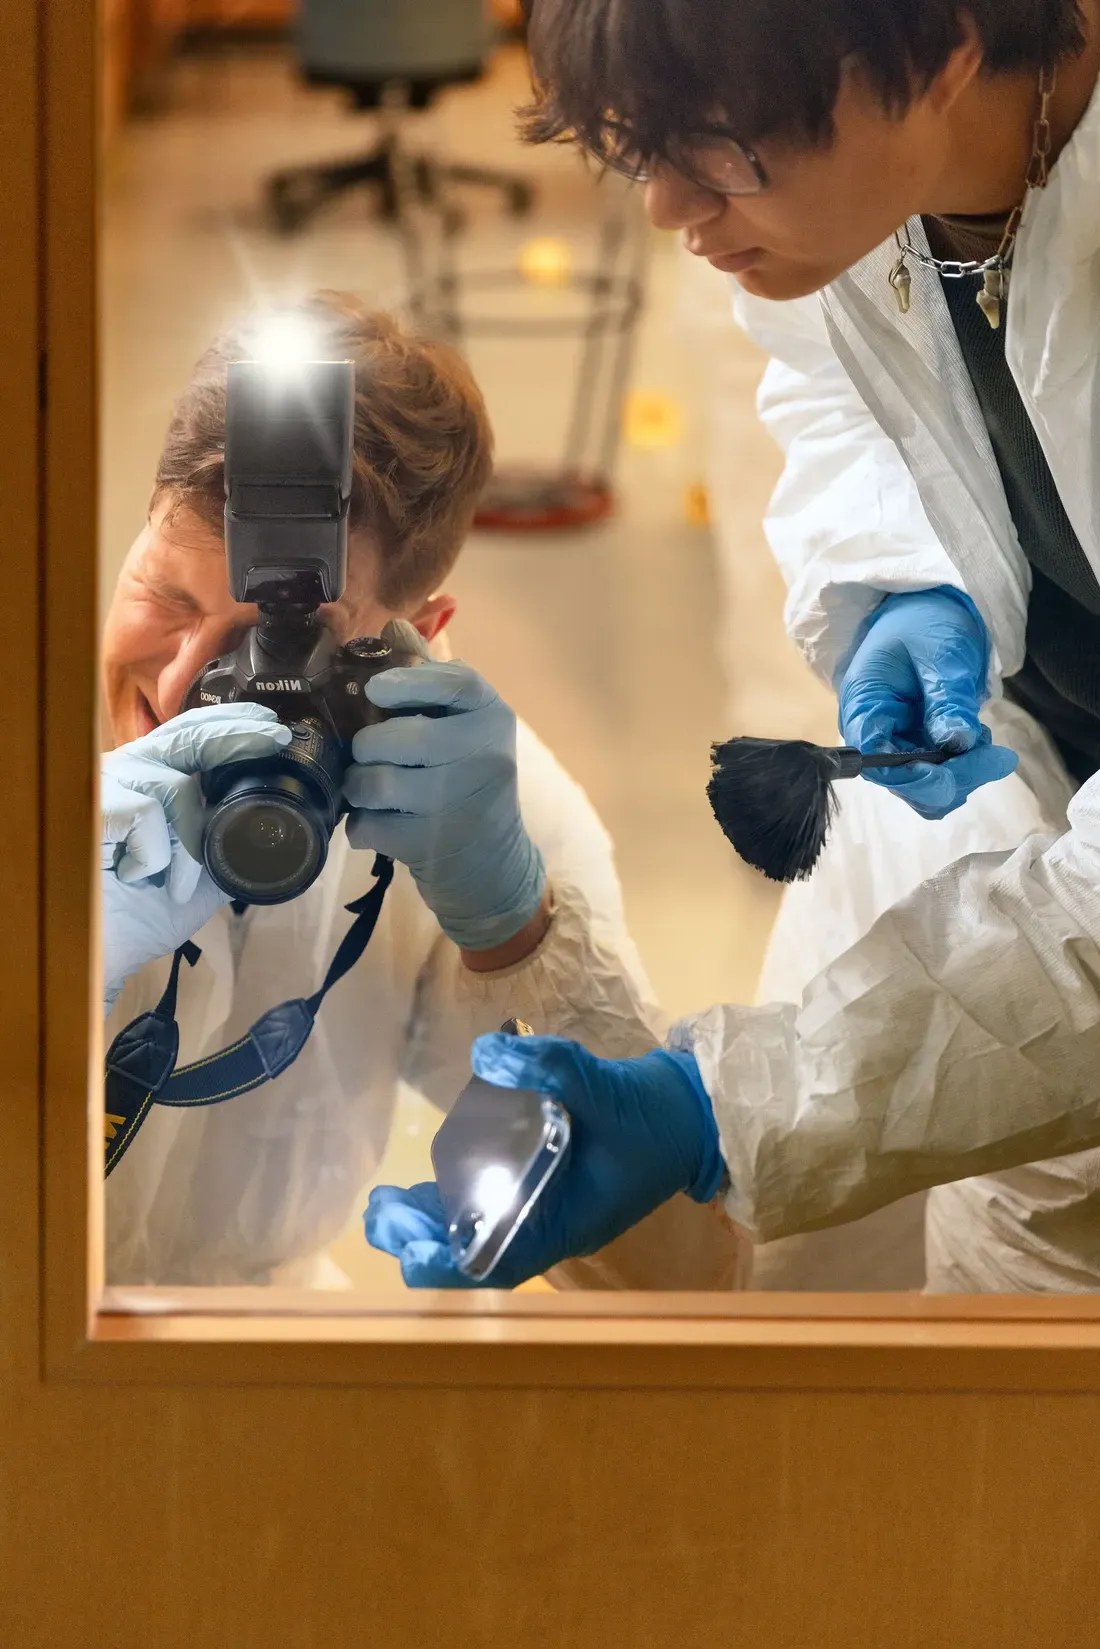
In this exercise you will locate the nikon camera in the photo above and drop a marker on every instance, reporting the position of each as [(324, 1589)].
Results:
[(288, 465)]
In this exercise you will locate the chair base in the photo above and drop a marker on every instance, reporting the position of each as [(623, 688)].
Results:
[(295, 195)]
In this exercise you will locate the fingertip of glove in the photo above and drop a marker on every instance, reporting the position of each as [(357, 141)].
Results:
[(958, 734), (406, 635), (362, 743), (392, 686), (381, 1195), (394, 1220), (231, 710), (539, 1062), (427, 1264), (1007, 761), (871, 734), (129, 870), (487, 1053)]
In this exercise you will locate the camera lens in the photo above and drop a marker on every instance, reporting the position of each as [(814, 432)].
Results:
[(268, 843), (263, 846), (268, 822)]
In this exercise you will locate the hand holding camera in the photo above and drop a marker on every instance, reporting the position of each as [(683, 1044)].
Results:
[(155, 891), (435, 787)]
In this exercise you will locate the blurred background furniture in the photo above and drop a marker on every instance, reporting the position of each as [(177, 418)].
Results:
[(379, 51), (137, 39), (567, 325)]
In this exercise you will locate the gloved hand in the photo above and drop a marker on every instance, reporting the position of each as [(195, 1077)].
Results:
[(439, 793), (643, 1129), (155, 891), (916, 681)]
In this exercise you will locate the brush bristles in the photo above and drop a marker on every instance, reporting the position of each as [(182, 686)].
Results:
[(774, 801)]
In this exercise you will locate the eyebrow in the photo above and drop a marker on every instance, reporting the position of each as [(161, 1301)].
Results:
[(165, 591)]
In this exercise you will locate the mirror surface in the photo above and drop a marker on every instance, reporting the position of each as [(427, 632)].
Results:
[(638, 620)]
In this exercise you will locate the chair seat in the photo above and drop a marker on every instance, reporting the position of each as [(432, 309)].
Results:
[(368, 93), (375, 42)]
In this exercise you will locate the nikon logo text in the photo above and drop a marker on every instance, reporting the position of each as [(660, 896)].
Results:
[(284, 684)]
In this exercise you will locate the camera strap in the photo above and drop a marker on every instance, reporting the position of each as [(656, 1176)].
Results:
[(141, 1061)]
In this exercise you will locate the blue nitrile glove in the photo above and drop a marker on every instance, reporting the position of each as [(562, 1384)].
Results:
[(643, 1129), (155, 891), (916, 681), (440, 795)]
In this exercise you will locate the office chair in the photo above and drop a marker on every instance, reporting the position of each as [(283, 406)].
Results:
[(379, 51)]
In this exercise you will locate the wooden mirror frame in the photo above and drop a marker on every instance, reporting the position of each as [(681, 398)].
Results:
[(49, 1010)]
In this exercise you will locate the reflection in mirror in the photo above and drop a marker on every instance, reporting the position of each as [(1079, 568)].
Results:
[(432, 567)]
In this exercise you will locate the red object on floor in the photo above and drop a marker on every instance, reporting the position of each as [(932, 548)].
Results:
[(530, 500)]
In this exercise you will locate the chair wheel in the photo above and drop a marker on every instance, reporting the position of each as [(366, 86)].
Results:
[(288, 204)]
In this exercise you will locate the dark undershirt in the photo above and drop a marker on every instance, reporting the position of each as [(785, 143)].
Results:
[(1060, 680)]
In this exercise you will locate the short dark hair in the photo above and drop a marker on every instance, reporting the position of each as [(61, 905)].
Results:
[(767, 68), (422, 444)]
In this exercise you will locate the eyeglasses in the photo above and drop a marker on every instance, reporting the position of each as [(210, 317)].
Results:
[(710, 157)]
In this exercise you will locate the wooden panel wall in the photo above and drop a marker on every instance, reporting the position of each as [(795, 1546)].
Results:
[(275, 1517)]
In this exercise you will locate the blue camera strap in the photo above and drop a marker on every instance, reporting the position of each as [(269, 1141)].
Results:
[(141, 1061)]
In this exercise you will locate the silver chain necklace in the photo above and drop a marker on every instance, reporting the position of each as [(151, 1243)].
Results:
[(994, 271)]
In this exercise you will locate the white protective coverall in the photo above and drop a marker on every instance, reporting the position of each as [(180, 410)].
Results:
[(973, 1011), (252, 1190)]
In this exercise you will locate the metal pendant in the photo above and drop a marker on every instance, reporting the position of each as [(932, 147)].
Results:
[(992, 295), (901, 281)]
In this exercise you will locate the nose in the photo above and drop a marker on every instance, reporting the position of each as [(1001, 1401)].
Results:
[(206, 641), (674, 202)]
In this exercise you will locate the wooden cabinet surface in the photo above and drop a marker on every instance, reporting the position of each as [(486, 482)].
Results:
[(241, 14), (291, 1513)]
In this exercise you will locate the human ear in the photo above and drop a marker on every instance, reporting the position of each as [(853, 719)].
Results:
[(960, 70), (432, 616)]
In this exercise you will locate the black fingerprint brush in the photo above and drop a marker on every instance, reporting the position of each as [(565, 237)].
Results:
[(774, 797)]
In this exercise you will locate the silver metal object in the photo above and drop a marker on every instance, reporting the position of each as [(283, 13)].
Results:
[(994, 270)]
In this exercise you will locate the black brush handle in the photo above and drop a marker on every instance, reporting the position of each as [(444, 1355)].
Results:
[(892, 758)]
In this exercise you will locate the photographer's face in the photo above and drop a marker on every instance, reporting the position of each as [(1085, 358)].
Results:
[(172, 613)]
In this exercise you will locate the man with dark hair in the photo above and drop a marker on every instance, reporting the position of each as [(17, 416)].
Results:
[(790, 138), (906, 196)]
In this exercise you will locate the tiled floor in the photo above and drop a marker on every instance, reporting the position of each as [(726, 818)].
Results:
[(629, 647)]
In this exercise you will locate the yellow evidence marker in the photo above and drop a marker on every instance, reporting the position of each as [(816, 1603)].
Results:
[(546, 261), (652, 420), (696, 505)]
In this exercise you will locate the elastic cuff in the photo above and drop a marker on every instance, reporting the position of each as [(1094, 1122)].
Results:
[(489, 929), (713, 1174)]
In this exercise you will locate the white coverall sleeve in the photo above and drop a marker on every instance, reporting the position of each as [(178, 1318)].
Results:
[(961, 1036), (845, 522), (586, 982)]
